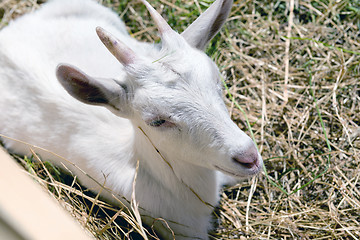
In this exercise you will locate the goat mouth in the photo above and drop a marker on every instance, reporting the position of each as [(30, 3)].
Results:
[(250, 171)]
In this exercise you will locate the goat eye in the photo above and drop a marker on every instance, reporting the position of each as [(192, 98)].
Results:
[(157, 122)]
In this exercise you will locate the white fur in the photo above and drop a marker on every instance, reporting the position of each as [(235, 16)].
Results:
[(177, 82)]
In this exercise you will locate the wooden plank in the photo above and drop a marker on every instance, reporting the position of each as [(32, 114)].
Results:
[(29, 212)]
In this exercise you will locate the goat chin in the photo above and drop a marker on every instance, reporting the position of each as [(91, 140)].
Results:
[(58, 83)]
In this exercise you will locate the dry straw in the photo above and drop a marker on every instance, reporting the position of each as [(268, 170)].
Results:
[(292, 77)]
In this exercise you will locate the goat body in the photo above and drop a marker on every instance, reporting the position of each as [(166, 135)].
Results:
[(165, 102)]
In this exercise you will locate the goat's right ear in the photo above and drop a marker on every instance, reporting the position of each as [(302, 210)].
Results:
[(105, 92)]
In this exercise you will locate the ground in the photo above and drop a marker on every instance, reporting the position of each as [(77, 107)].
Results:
[(292, 80)]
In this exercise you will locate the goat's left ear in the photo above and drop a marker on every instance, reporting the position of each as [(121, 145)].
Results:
[(94, 91), (203, 29)]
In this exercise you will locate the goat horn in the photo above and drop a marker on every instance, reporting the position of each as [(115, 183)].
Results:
[(117, 48), (160, 22)]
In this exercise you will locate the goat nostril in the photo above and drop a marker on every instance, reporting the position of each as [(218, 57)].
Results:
[(247, 161)]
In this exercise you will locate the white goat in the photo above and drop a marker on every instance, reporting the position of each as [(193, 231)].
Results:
[(165, 102)]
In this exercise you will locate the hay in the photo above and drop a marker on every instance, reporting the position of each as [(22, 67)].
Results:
[(293, 70)]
